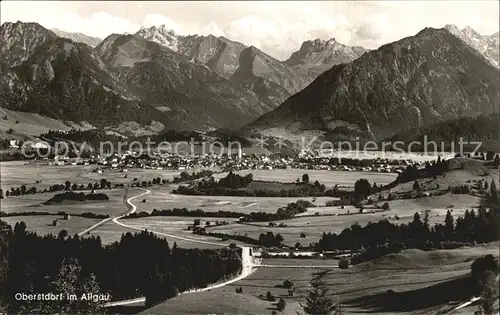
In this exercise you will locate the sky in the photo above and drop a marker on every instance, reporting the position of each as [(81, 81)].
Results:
[(278, 28)]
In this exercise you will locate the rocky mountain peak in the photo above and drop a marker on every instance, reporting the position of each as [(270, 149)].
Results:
[(316, 56), (416, 81), (487, 45), (318, 44), (161, 35), (20, 39)]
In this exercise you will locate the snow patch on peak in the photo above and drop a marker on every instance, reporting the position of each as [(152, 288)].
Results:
[(161, 35)]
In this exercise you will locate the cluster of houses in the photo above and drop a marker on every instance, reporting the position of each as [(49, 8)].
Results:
[(226, 162)]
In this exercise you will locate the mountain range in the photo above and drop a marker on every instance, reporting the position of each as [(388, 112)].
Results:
[(158, 79), (153, 76), (488, 45), (78, 37), (417, 81), (271, 80)]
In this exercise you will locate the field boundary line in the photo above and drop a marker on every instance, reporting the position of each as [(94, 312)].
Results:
[(246, 269)]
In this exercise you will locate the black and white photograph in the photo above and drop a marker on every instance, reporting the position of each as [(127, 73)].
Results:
[(249, 157)]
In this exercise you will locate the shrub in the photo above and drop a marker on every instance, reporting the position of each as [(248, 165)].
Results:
[(386, 206), (343, 264), (287, 284), (270, 297), (281, 305), (303, 235), (239, 290)]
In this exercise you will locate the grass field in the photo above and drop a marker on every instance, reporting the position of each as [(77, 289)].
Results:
[(462, 172), (226, 301), (161, 198), (27, 203), (111, 232), (28, 125), (328, 178), (314, 226), (426, 282), (17, 173), (42, 224)]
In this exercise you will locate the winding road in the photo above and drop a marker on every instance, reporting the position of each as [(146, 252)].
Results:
[(247, 261), (249, 264)]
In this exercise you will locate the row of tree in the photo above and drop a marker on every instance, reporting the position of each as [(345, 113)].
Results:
[(283, 213), (186, 176), (138, 265), (383, 237)]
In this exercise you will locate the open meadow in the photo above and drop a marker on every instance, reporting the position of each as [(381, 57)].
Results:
[(162, 198), (423, 282), (111, 232), (34, 203), (225, 300), (328, 178), (42, 224), (17, 173), (327, 221)]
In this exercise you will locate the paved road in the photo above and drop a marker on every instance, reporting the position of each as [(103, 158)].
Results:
[(95, 226), (299, 266), (246, 260), (134, 208)]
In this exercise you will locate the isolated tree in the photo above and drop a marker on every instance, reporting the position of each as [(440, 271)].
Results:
[(1, 193), (494, 197), (270, 297), (67, 185), (305, 178), (281, 305), (449, 224), (362, 188), (319, 301), (496, 161), (416, 186)]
